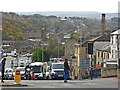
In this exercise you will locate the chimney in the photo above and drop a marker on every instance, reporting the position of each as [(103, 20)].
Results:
[(103, 22)]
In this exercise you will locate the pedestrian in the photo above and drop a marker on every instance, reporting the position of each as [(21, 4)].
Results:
[(66, 70), (3, 68)]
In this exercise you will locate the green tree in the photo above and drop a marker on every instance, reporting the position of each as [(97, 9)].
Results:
[(37, 55)]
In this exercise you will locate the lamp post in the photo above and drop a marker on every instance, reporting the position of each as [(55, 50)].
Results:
[(58, 48), (81, 55), (43, 51)]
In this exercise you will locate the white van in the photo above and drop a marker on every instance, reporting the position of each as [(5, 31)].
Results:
[(56, 70), (38, 69)]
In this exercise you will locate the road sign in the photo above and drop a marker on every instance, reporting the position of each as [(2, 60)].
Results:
[(17, 77), (86, 63), (98, 66)]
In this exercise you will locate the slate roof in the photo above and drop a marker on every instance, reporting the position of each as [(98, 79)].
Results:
[(105, 37)]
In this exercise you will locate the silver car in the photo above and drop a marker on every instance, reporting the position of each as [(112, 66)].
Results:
[(8, 73)]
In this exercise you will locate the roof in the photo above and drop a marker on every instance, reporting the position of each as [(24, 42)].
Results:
[(117, 32), (100, 32), (106, 48), (36, 63), (83, 44), (105, 37), (20, 67)]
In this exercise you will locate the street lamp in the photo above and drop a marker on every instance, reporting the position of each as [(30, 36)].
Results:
[(42, 50)]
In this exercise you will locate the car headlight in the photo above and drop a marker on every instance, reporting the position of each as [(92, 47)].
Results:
[(53, 72)]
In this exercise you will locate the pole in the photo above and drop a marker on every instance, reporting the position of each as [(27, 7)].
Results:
[(37, 53), (81, 55), (91, 62), (118, 51), (42, 52), (58, 48)]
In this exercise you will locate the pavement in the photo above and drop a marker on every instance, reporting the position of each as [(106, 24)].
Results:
[(87, 83), (12, 84)]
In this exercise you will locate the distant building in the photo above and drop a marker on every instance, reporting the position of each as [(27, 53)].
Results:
[(80, 53), (70, 48), (114, 41), (102, 55), (99, 43)]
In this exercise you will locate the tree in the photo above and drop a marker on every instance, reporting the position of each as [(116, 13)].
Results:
[(37, 55)]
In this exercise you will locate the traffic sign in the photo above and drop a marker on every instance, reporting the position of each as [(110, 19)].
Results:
[(98, 66), (17, 77), (85, 63)]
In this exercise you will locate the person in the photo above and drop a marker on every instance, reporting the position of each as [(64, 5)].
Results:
[(66, 70), (3, 68)]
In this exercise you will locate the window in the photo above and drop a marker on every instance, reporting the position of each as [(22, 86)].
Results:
[(104, 55), (101, 54), (108, 55), (112, 39), (71, 52), (98, 54), (112, 53)]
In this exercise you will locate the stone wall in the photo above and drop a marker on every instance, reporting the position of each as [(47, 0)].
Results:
[(108, 72), (118, 73)]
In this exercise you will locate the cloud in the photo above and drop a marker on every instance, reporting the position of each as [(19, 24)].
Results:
[(59, 5)]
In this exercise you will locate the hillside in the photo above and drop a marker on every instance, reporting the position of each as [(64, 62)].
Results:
[(16, 26), (86, 14)]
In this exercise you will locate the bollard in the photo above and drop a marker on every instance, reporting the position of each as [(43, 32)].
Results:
[(17, 77)]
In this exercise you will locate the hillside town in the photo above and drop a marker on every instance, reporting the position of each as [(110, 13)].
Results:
[(91, 55)]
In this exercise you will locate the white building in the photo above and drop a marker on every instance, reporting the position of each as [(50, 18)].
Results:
[(115, 42)]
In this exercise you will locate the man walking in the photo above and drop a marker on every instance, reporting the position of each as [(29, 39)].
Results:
[(66, 70), (3, 68)]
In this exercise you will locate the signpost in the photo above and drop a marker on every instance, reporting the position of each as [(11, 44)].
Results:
[(17, 77)]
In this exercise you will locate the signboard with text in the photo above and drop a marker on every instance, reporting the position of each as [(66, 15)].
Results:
[(85, 63)]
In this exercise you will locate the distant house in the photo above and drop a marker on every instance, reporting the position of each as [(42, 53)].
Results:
[(102, 55), (80, 53), (70, 47), (114, 48)]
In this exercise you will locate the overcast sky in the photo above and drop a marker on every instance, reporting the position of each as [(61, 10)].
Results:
[(104, 6)]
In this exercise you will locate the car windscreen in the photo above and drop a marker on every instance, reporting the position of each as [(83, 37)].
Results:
[(22, 69), (10, 71), (58, 66), (36, 69)]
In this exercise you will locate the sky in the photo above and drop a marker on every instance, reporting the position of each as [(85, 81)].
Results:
[(103, 6)]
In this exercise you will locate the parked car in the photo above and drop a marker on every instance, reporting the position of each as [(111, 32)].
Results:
[(8, 73), (21, 63), (27, 62), (16, 64)]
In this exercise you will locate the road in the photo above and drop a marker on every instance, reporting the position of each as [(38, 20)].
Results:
[(96, 83), (9, 59)]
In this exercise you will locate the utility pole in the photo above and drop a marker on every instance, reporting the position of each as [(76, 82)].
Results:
[(80, 55), (58, 48), (37, 50), (0, 36), (42, 52)]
